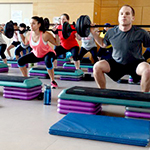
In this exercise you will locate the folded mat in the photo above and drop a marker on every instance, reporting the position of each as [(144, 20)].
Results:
[(103, 128)]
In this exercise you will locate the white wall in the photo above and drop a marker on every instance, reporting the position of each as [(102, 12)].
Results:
[(20, 13)]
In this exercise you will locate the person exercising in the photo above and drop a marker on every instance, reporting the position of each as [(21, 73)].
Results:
[(15, 42), (127, 58), (88, 45), (3, 44), (38, 39), (21, 47), (69, 44)]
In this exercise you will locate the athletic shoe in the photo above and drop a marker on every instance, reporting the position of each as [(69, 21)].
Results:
[(54, 85)]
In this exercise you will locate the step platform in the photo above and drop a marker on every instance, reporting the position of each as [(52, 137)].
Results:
[(19, 81), (13, 62), (138, 109), (70, 65), (3, 67), (126, 81), (61, 61), (64, 74), (106, 96), (67, 106), (22, 93), (9, 61), (41, 63), (137, 112), (15, 65), (39, 75), (103, 128), (25, 88)]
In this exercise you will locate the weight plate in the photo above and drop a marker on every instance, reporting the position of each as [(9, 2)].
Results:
[(66, 30), (9, 29), (86, 24), (46, 23)]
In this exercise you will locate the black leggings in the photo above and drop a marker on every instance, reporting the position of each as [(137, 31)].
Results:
[(31, 58), (74, 50), (18, 50), (2, 50), (93, 51)]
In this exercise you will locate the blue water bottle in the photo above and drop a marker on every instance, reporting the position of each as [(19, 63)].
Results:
[(47, 95)]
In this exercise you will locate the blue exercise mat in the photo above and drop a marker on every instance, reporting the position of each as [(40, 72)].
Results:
[(103, 128)]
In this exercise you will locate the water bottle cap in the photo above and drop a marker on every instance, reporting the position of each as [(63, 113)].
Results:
[(47, 86)]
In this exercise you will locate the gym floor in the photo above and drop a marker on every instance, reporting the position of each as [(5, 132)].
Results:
[(24, 125)]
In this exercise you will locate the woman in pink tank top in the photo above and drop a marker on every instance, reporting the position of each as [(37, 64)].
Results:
[(38, 39)]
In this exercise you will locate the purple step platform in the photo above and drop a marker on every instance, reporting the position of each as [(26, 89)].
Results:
[(60, 64), (41, 63), (70, 78), (20, 96), (69, 67), (66, 106), (90, 69), (66, 111), (77, 103), (6, 88), (4, 69), (15, 65), (42, 75), (22, 93), (78, 108), (137, 114)]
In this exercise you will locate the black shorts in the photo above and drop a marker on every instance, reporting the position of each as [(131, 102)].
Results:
[(118, 70), (15, 43)]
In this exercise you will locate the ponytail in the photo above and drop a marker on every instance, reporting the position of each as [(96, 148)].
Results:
[(41, 21)]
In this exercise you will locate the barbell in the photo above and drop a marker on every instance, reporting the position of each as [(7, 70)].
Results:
[(66, 28), (47, 23), (82, 26)]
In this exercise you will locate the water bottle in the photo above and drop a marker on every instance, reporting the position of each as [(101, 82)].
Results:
[(47, 95)]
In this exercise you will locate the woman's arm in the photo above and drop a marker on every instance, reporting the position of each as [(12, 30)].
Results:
[(25, 39), (78, 36), (49, 37)]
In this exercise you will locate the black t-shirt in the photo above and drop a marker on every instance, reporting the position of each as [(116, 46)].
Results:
[(127, 46)]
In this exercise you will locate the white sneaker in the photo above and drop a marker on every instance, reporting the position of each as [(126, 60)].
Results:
[(9, 58)]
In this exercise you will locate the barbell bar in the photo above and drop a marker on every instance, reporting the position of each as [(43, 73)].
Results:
[(82, 26), (47, 23)]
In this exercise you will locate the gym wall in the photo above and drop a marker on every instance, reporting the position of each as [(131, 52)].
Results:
[(100, 11)]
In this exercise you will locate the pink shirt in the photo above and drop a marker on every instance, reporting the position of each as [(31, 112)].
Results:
[(40, 49)]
